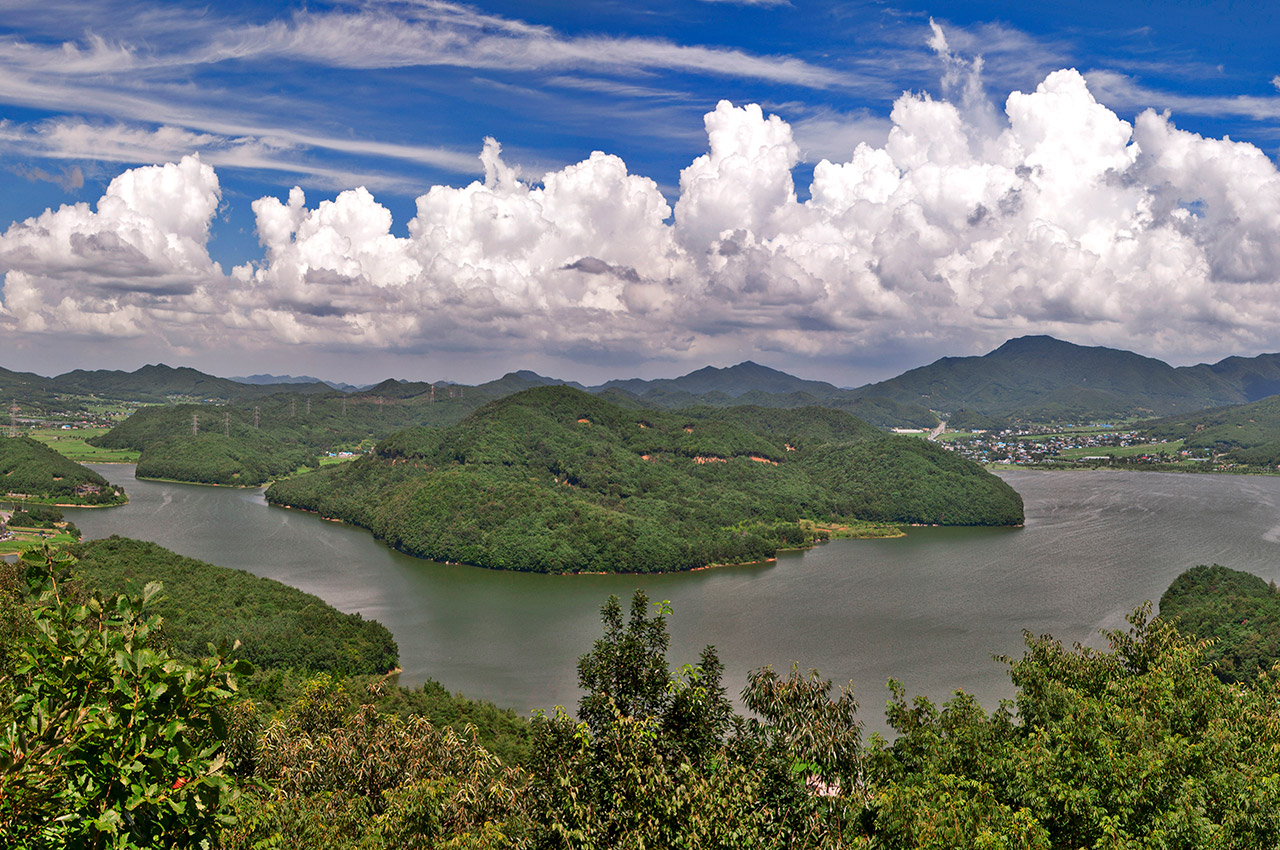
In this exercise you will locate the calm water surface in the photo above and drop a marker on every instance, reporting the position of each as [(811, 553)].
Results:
[(929, 609)]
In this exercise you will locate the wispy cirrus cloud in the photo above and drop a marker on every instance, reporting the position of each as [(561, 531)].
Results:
[(436, 34), (764, 3), (1125, 92), (75, 139)]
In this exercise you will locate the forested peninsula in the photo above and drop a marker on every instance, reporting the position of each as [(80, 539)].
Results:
[(32, 472), (277, 626), (554, 479)]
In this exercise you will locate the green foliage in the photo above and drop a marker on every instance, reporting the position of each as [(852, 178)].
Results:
[(291, 430), (338, 775), (217, 459), (651, 763), (44, 517), (971, 420), (276, 625), (107, 741), (1238, 611), (1247, 433), (30, 468), (500, 731), (1139, 746), (556, 480)]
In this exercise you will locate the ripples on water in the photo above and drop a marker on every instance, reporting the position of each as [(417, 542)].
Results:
[(929, 609)]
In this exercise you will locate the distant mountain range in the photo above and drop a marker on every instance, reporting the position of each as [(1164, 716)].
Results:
[(1036, 378), (152, 383), (292, 379), (1040, 378)]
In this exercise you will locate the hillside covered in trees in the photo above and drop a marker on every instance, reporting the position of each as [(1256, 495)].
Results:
[(276, 625), (1244, 433), (1237, 610), (31, 471), (557, 480), (1042, 379), (221, 444)]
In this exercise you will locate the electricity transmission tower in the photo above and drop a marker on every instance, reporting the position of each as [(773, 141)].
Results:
[(195, 424), (255, 416), (226, 424)]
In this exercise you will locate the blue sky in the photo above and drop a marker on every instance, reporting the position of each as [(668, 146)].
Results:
[(398, 97)]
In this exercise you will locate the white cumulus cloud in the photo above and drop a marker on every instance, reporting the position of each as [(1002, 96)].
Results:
[(1056, 215), (137, 263)]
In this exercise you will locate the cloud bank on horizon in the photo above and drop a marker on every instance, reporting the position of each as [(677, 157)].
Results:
[(1053, 216)]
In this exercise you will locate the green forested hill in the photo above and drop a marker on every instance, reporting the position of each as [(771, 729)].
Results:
[(1042, 378), (277, 625), (291, 431), (1248, 433), (1238, 610), (557, 480), (30, 468)]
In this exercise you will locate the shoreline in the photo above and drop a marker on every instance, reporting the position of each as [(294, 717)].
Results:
[(770, 560)]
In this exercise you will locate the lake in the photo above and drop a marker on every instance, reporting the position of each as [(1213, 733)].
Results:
[(929, 609)]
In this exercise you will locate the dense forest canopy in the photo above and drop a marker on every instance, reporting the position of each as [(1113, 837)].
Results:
[(248, 444), (276, 625), (1238, 611), (557, 480), (31, 469)]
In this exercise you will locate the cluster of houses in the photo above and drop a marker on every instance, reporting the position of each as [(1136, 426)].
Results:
[(1038, 445)]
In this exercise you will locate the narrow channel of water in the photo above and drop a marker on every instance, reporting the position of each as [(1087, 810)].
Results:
[(929, 609)]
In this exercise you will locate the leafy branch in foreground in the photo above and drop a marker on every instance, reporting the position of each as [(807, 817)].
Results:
[(106, 740)]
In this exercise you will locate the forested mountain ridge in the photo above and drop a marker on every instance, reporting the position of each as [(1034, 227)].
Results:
[(1042, 378), (558, 480), (732, 381)]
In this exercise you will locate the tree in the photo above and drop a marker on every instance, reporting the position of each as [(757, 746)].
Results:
[(108, 741)]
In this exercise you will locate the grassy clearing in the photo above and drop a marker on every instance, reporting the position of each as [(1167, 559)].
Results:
[(330, 461), (1120, 451), (861, 530), (71, 445), (25, 538)]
